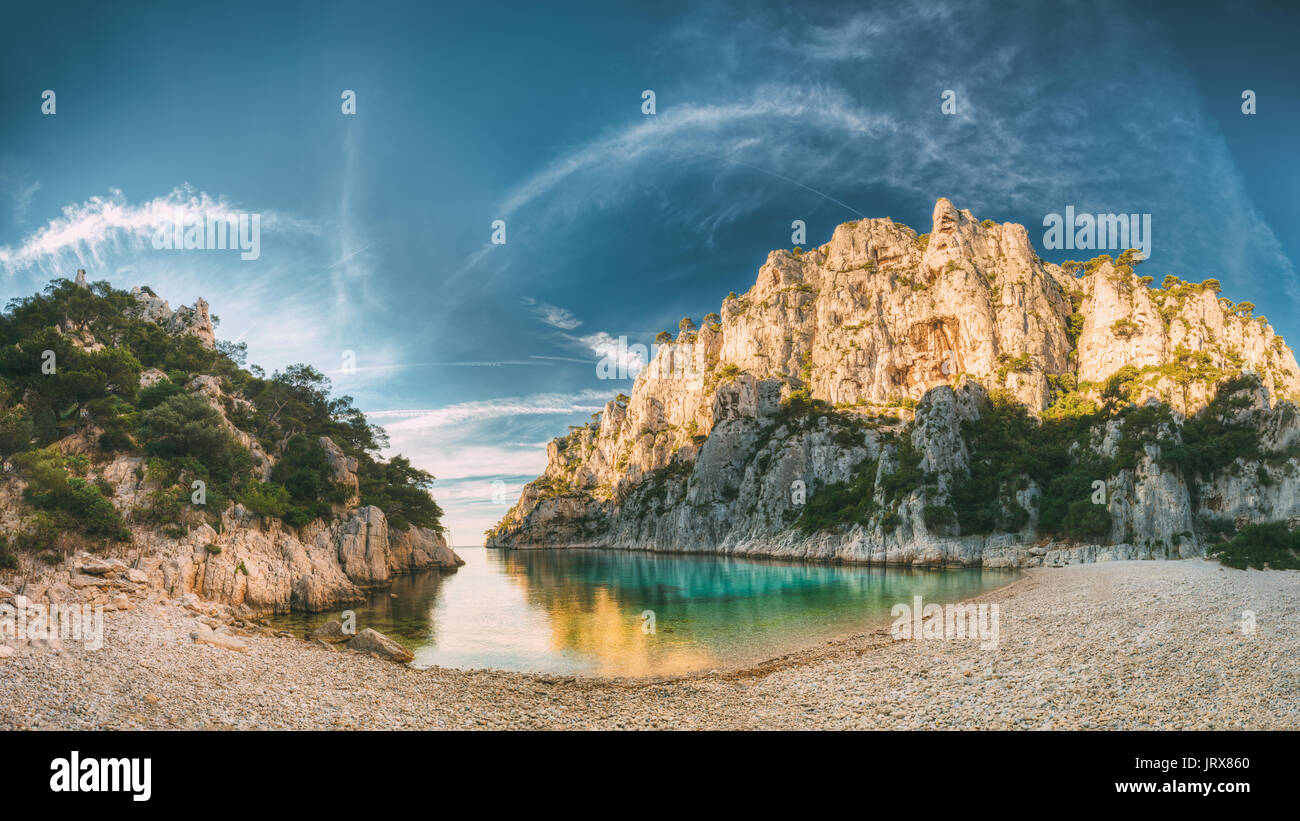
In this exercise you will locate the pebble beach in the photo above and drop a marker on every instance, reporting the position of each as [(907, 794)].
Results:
[(1115, 645)]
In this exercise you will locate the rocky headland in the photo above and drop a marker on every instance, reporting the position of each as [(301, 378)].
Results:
[(148, 464), (940, 398)]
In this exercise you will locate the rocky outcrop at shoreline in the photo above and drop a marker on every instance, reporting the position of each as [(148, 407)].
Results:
[(254, 563), (254, 566), (267, 567), (228, 530)]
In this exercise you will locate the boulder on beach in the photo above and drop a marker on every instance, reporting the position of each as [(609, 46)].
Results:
[(206, 635), (377, 644), (331, 632)]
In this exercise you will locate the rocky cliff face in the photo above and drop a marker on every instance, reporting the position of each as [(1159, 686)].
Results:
[(878, 352), (252, 565)]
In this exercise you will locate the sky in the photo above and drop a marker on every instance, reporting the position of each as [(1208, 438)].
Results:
[(377, 263)]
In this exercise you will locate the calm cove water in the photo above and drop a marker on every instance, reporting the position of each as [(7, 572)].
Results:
[(585, 611)]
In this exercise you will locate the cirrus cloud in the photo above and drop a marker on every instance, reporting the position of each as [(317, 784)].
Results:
[(85, 233)]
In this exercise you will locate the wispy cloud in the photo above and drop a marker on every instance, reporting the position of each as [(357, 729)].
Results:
[(628, 358), (20, 188), (588, 401), (617, 354), (760, 129), (552, 315), (88, 232)]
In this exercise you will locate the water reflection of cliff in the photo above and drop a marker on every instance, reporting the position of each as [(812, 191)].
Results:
[(405, 610), (709, 610)]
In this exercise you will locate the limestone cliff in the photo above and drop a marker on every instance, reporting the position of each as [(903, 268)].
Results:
[(879, 352), (253, 565)]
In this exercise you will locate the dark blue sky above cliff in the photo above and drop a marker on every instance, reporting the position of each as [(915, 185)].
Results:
[(376, 227)]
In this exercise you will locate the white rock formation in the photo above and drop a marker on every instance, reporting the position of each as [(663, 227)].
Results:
[(185, 319), (877, 320)]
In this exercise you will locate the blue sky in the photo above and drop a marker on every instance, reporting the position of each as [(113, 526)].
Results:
[(376, 227)]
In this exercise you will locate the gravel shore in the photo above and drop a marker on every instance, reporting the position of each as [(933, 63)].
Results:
[(1122, 645)]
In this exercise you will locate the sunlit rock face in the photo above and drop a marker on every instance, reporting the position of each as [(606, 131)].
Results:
[(909, 334), (266, 567)]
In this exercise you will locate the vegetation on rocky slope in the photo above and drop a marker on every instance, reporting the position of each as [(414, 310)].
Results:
[(1059, 454), (71, 361)]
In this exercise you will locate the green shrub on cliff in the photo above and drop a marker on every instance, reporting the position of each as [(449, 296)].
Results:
[(16, 430), (401, 491), (938, 516), (156, 394), (840, 503), (1009, 446), (71, 502), (1215, 437), (265, 499), (305, 473), (188, 431)]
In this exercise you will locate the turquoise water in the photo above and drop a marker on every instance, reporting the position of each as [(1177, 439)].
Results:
[(589, 611)]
